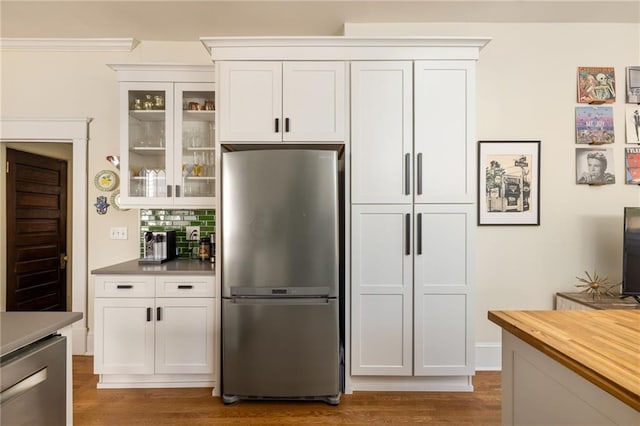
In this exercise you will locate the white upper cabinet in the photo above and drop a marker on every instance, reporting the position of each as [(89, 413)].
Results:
[(167, 136), (444, 131), (412, 132), (382, 132), (282, 101)]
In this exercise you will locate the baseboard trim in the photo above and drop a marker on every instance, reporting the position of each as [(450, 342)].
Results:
[(488, 356), (90, 343), (79, 340)]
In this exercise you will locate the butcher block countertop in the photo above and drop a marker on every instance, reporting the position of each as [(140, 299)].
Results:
[(603, 346)]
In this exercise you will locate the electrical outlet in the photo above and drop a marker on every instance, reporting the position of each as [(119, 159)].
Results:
[(118, 233), (193, 233)]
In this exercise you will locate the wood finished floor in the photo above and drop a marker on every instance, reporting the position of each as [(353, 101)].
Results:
[(196, 406)]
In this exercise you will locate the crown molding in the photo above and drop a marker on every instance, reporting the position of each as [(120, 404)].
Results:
[(70, 44)]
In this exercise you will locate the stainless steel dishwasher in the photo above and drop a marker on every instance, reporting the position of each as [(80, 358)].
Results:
[(33, 380)]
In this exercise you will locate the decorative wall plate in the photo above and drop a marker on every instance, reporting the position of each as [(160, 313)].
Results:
[(115, 201), (106, 180)]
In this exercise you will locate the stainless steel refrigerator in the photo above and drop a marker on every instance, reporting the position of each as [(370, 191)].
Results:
[(280, 275)]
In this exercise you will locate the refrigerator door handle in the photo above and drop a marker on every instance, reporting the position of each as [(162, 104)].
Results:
[(281, 300)]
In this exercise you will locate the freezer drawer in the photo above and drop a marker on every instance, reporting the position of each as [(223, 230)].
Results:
[(280, 348)]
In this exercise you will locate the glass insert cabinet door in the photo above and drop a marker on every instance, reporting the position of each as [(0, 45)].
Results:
[(149, 139), (169, 136), (195, 152)]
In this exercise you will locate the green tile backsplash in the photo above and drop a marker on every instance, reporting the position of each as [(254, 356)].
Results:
[(169, 220)]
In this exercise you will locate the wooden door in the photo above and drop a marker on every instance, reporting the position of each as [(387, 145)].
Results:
[(36, 232)]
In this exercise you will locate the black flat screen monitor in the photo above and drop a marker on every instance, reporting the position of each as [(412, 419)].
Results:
[(631, 253)]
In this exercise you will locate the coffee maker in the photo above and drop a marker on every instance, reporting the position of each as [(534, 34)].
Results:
[(159, 247)]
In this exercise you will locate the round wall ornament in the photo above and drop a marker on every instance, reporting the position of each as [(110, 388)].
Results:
[(115, 201), (106, 180)]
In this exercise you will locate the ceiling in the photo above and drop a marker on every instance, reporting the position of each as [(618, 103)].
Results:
[(189, 20)]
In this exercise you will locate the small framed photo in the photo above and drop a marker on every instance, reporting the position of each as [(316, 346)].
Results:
[(596, 85), (509, 183), (632, 115), (594, 166), (633, 85)]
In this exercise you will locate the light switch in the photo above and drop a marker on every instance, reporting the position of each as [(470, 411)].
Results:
[(118, 233)]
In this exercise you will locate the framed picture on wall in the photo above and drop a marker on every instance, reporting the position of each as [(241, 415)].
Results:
[(632, 115), (633, 85), (509, 183), (596, 85), (594, 166)]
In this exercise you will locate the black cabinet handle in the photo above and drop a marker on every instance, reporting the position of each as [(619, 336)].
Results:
[(177, 191), (419, 174), (124, 286), (407, 178), (185, 287), (169, 191), (158, 313), (149, 314), (286, 124), (419, 232), (277, 125), (407, 244)]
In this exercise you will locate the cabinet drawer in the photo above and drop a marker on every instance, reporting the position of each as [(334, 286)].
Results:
[(185, 286), (124, 286)]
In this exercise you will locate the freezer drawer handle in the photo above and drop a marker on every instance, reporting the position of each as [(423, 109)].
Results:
[(185, 287), (124, 286), (24, 385)]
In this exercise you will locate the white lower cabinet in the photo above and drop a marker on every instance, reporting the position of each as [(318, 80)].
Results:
[(154, 331), (411, 281)]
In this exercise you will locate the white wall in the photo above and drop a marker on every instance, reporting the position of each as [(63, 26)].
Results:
[(526, 91)]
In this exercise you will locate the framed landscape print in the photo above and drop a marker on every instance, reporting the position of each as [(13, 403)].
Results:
[(509, 183)]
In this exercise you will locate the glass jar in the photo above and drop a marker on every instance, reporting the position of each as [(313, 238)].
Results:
[(204, 249)]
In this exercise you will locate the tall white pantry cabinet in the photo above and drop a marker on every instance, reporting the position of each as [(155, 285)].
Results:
[(412, 218), (411, 187)]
